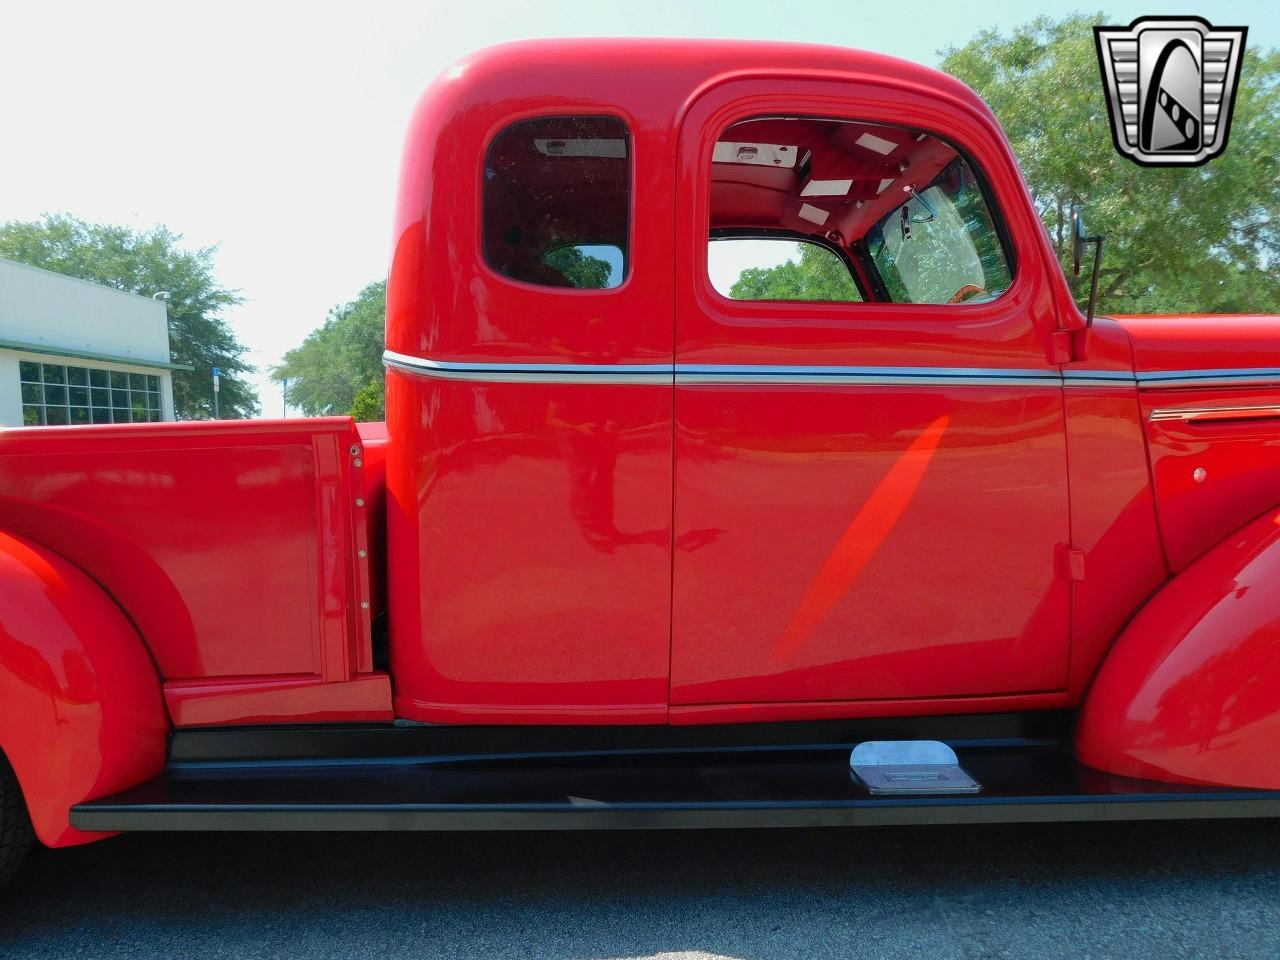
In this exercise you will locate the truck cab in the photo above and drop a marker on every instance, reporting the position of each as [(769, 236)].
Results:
[(739, 416), (636, 488)]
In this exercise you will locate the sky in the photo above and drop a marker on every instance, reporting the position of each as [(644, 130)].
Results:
[(274, 130)]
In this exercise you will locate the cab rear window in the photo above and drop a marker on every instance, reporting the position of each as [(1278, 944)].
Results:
[(557, 202)]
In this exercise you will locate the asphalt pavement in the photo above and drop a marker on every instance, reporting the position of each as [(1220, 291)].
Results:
[(1081, 891)]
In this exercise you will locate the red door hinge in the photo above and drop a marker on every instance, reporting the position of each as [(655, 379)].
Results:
[(1070, 562)]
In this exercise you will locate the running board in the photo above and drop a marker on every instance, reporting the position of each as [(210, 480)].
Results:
[(696, 787)]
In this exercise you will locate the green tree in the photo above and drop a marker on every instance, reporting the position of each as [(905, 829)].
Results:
[(580, 269), (1177, 239), (817, 275), (337, 369), (370, 403), (150, 262)]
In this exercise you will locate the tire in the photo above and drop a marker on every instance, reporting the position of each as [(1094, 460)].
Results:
[(16, 835)]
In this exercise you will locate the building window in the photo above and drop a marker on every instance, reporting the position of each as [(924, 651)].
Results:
[(54, 394), (557, 202)]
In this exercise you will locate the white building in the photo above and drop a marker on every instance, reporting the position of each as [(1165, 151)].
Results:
[(78, 352)]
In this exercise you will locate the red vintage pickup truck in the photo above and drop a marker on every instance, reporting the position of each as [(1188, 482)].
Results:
[(747, 463)]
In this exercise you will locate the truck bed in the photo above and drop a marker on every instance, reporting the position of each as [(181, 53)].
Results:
[(239, 549)]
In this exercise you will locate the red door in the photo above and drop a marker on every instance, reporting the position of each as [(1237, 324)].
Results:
[(870, 496)]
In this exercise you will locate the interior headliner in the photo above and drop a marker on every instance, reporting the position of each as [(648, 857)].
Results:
[(880, 162)]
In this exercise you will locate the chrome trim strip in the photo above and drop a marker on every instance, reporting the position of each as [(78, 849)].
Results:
[(646, 373), (703, 374), (777, 369), (1206, 378), (1165, 379), (1268, 411), (782, 374), (1096, 378), (858, 376)]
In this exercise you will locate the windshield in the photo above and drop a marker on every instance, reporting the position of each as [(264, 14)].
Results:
[(941, 245)]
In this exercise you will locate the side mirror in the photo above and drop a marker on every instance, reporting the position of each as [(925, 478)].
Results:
[(1079, 237)]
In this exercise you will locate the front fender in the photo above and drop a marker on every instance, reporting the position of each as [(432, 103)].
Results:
[(81, 712), (1190, 692)]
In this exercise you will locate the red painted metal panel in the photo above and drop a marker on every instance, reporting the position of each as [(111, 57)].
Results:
[(848, 543), (529, 523), (443, 300), (233, 546), (529, 529), (1239, 455), (1203, 341), (81, 714), (839, 543), (1113, 514), (1191, 690), (1212, 475), (307, 699)]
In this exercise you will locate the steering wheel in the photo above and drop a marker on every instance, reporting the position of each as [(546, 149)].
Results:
[(968, 290)]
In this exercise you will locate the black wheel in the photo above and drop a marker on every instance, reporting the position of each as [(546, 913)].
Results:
[(15, 826)]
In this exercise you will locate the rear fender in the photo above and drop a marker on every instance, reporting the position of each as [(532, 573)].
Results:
[(1190, 692), (81, 713)]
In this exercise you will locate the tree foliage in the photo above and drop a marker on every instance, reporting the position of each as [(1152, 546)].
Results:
[(370, 403), (581, 269), (1198, 239), (337, 369), (146, 263), (818, 274)]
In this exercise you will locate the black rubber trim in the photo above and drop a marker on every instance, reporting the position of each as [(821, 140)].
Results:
[(404, 818), (329, 741)]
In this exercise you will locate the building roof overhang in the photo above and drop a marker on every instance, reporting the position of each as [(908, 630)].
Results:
[(48, 350)]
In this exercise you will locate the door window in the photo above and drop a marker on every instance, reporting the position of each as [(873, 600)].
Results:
[(817, 195)]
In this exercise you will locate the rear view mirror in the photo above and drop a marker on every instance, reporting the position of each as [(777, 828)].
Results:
[(1079, 237)]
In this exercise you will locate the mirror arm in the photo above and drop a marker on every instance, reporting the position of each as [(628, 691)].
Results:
[(915, 195), (1093, 283)]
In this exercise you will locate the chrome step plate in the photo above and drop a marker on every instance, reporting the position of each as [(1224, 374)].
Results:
[(910, 768)]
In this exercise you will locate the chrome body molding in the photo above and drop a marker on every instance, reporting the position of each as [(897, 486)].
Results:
[(1266, 411), (694, 374), (652, 373), (1242, 376), (770, 374), (1097, 378), (1169, 379)]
